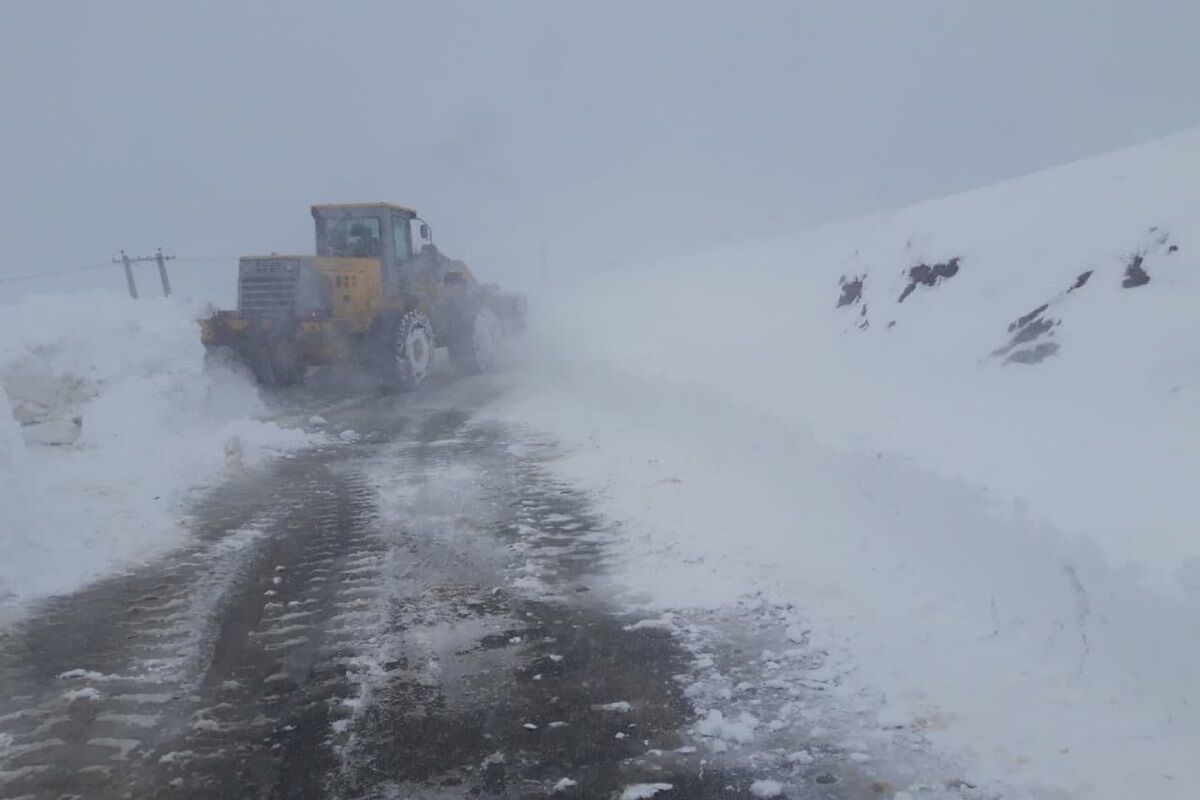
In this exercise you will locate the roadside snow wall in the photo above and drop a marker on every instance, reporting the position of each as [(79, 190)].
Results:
[(109, 419), (961, 438)]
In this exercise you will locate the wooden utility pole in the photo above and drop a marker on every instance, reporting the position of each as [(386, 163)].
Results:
[(158, 258), (128, 263), (161, 260)]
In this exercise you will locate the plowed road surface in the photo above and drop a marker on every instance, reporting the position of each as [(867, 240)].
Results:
[(352, 622)]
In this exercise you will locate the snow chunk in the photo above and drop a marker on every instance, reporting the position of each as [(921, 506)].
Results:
[(87, 675), (739, 731), (664, 623), (88, 693), (765, 788), (565, 783), (640, 791), (621, 707)]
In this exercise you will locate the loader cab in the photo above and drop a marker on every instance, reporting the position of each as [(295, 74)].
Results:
[(370, 230)]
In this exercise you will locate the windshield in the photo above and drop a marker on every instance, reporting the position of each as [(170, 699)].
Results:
[(349, 236)]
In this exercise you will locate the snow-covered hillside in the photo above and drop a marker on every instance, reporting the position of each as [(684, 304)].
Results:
[(960, 439), (108, 419)]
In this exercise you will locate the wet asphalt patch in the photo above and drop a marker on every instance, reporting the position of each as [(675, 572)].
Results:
[(509, 693), (538, 725)]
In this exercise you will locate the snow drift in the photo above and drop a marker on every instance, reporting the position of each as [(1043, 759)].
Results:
[(960, 438), (110, 420)]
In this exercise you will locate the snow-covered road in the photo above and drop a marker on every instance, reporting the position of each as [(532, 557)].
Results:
[(416, 610)]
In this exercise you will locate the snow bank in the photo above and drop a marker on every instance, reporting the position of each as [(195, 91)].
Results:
[(1100, 438), (959, 437), (113, 420)]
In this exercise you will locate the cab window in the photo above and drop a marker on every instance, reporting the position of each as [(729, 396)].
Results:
[(402, 231), (350, 237)]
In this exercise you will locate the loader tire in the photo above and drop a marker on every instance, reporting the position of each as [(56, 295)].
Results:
[(476, 348), (405, 349)]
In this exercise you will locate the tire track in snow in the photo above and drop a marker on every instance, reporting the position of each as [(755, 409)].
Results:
[(283, 671), (91, 678), (94, 681)]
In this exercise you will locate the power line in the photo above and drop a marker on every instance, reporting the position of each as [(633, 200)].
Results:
[(49, 273), (107, 265)]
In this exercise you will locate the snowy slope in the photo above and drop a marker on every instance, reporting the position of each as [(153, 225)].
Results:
[(959, 438), (119, 420)]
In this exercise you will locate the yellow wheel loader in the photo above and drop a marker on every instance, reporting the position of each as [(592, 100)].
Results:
[(367, 297)]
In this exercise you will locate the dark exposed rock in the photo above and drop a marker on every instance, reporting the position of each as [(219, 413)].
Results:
[(1081, 281), (1033, 355), (851, 290), (928, 275), (1026, 329), (1032, 331), (1135, 275), (1023, 321)]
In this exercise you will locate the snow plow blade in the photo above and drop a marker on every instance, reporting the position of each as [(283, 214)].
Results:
[(278, 351)]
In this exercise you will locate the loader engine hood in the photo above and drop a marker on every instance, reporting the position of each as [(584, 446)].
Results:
[(282, 286)]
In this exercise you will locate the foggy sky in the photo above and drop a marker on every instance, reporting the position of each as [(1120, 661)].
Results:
[(600, 130)]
